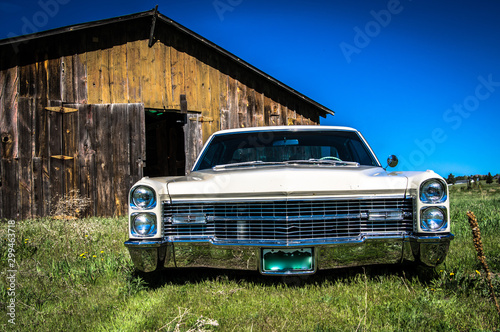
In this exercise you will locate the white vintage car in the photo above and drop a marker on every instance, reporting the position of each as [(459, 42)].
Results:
[(288, 201)]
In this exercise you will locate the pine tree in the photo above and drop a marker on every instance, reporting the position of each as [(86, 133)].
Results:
[(451, 179), (489, 178)]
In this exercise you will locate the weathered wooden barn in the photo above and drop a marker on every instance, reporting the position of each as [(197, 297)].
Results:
[(95, 106)]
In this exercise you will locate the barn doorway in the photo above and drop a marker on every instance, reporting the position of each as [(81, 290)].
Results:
[(165, 153)]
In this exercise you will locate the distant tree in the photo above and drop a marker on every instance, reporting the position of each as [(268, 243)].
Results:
[(451, 179), (498, 179), (469, 184), (489, 178)]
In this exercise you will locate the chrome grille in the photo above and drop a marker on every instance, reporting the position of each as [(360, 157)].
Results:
[(289, 220)]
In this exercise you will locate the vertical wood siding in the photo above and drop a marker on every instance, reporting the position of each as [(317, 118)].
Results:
[(111, 76)]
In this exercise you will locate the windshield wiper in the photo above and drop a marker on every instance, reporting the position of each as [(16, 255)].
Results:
[(246, 164), (324, 162), (254, 163)]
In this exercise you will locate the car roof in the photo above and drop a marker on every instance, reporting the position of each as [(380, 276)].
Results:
[(283, 128)]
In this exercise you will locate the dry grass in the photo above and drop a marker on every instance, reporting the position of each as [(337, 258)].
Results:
[(70, 206)]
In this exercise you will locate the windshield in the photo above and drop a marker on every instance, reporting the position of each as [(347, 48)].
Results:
[(264, 148)]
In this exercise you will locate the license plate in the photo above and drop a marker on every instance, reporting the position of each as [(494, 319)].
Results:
[(282, 260)]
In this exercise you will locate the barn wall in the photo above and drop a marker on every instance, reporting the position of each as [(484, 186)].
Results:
[(103, 72)]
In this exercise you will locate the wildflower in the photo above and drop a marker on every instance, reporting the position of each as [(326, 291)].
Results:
[(81, 255), (94, 256), (452, 274), (102, 251), (441, 271), (479, 273), (86, 235)]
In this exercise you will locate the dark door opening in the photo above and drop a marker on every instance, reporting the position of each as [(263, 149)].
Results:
[(165, 155)]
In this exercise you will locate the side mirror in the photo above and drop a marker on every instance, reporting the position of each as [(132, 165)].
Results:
[(392, 161)]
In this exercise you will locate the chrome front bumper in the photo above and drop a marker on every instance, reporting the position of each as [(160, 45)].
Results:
[(150, 255)]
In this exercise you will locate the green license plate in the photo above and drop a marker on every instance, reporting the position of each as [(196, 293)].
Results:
[(281, 260)]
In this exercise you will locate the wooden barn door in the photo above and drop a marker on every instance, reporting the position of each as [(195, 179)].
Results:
[(98, 150)]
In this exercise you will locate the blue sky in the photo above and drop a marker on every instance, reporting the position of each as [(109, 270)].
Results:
[(420, 79)]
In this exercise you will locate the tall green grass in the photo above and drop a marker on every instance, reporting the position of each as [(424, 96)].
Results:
[(77, 276)]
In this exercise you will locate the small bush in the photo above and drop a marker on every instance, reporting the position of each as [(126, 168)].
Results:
[(71, 206)]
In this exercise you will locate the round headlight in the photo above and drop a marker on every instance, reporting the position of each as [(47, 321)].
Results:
[(143, 197), (433, 191), (144, 224), (433, 219)]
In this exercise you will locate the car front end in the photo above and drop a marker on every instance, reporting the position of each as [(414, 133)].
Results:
[(284, 204)]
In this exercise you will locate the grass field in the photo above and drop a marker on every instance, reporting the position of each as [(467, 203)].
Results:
[(77, 276)]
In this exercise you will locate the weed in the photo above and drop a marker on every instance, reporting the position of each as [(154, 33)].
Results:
[(70, 206)]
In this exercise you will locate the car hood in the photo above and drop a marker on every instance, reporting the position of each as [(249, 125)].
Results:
[(287, 182)]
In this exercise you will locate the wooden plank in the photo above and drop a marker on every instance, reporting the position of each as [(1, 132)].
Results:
[(80, 77), (204, 86), (233, 103), (9, 188), (223, 92), (37, 185), (86, 155), (251, 107), (267, 111), (9, 143), (275, 115), (193, 140), (137, 141), (120, 153), (105, 66), (67, 80), (103, 159), (56, 166), (24, 123), (259, 109), (158, 67), (243, 120), (70, 138), (41, 180), (191, 80), (27, 80), (284, 115), (167, 61), (146, 73), (93, 65), (133, 68), (54, 79), (8, 116), (178, 71), (214, 107), (118, 62), (80, 68)]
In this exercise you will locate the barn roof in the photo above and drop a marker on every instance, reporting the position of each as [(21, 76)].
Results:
[(154, 15)]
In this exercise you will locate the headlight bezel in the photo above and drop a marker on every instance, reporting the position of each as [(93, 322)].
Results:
[(136, 204), (425, 224), (426, 197), (135, 228)]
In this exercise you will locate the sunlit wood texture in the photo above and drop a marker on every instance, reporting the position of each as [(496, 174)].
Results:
[(110, 75)]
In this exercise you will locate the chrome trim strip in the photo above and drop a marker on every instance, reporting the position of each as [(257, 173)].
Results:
[(288, 200), (147, 243), (357, 216)]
